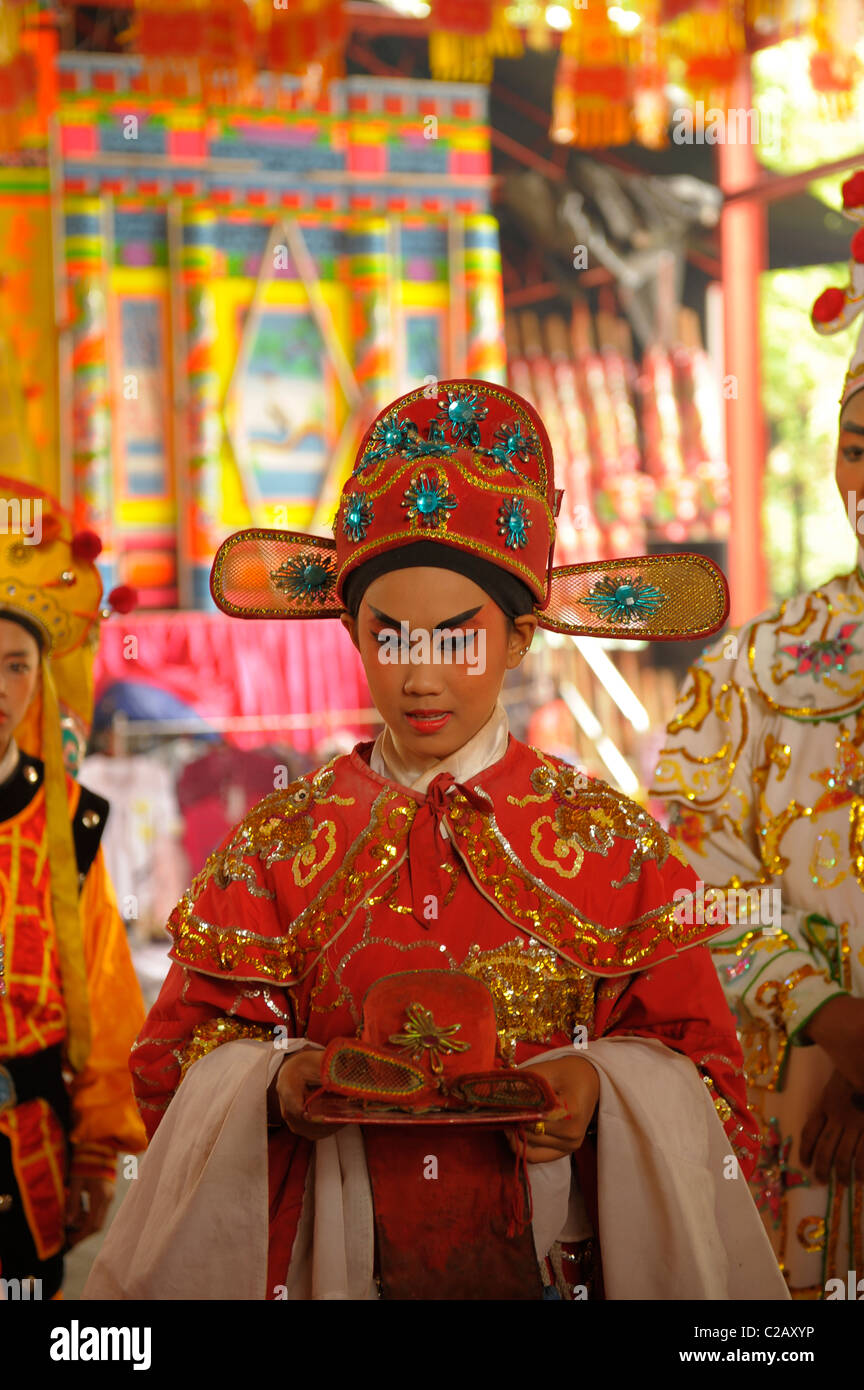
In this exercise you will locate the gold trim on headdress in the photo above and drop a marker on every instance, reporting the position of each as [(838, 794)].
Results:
[(284, 574)]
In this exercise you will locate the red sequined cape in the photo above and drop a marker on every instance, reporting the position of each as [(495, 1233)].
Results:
[(554, 889)]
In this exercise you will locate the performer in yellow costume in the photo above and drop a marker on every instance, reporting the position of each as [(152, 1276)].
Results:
[(70, 1005), (764, 771)]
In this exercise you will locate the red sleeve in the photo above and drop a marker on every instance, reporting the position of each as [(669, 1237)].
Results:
[(230, 901), (192, 1015), (680, 1002)]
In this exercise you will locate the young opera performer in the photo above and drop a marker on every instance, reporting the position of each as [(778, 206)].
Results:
[(70, 1005), (764, 772), (417, 922)]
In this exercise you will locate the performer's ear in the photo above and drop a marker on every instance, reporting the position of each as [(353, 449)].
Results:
[(350, 626), (522, 631)]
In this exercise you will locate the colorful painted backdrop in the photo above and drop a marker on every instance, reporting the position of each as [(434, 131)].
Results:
[(242, 289)]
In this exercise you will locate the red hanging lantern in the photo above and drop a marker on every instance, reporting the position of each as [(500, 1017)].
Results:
[(592, 97)]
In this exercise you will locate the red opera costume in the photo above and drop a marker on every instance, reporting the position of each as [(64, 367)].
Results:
[(69, 1000), (336, 856), (393, 870), (33, 1017)]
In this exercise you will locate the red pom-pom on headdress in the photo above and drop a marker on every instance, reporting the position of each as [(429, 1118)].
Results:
[(829, 304), (853, 191), (123, 599), (86, 545)]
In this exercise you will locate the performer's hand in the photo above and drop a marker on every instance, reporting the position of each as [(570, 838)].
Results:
[(299, 1074), (577, 1086), (838, 1028), (87, 1206), (833, 1137)]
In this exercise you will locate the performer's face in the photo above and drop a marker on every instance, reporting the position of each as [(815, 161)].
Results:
[(415, 670), (850, 460), (19, 676)]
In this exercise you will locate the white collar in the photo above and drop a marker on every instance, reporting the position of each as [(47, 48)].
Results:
[(486, 747), (9, 761)]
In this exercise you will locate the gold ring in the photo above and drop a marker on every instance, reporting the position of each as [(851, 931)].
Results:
[(539, 1128)]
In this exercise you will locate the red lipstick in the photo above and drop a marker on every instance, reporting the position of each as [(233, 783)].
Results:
[(427, 721)]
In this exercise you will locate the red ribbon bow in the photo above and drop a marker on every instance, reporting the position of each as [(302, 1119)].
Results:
[(427, 849)]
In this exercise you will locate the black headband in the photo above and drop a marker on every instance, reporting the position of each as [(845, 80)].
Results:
[(35, 632), (512, 596)]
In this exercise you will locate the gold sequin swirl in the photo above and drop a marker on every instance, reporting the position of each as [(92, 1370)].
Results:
[(216, 1031), (536, 992)]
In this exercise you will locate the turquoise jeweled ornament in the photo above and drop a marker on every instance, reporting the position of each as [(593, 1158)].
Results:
[(357, 516), (462, 411), (388, 437), (403, 438), (625, 600), (508, 442), (428, 502), (305, 578), (513, 523)]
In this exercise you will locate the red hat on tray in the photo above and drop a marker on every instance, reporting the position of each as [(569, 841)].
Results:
[(426, 1054)]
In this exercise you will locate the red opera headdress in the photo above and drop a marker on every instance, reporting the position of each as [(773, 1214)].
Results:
[(468, 466)]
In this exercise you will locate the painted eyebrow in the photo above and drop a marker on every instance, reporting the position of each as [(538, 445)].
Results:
[(8, 655), (447, 622), (853, 429)]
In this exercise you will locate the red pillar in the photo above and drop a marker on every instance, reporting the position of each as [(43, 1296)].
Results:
[(743, 253)]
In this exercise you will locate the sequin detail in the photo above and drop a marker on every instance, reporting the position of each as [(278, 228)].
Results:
[(305, 578), (402, 437), (357, 516), (819, 658), (537, 993), (427, 501), (462, 411), (533, 906), (513, 523), (625, 601), (422, 1036), (723, 1108), (509, 443), (216, 1031)]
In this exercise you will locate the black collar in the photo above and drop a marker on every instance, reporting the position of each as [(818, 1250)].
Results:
[(20, 789)]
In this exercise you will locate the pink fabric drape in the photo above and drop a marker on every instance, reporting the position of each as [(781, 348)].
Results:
[(223, 666)]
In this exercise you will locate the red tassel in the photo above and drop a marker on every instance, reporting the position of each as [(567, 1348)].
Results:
[(320, 1091), (86, 545), (521, 1209), (123, 599)]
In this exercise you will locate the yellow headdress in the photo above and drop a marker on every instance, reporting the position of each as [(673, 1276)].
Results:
[(49, 581)]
